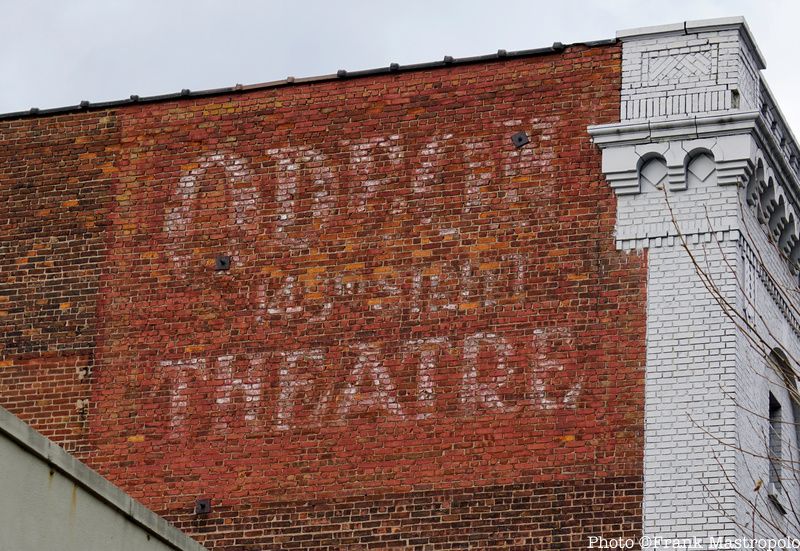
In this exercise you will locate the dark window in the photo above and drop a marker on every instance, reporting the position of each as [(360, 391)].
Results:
[(775, 451)]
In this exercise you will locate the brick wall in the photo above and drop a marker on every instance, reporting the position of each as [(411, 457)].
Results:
[(426, 338), (56, 193)]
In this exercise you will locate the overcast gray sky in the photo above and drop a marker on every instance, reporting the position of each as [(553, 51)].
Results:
[(60, 52)]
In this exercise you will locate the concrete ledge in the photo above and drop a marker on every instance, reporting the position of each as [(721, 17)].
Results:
[(655, 30), (616, 134)]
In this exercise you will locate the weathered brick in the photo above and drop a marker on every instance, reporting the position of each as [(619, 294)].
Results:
[(427, 338)]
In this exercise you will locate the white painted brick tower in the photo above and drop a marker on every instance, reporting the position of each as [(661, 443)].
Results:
[(706, 175)]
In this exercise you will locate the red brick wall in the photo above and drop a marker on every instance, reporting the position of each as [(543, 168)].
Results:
[(426, 336), (56, 192)]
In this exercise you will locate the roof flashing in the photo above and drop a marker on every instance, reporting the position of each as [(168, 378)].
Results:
[(341, 74)]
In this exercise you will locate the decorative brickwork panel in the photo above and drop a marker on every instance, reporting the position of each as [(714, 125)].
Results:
[(674, 76), (667, 67)]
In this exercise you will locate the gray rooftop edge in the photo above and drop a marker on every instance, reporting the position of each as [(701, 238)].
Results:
[(697, 26), (49, 452), (292, 81)]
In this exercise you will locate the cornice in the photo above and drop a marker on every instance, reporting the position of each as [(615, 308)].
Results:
[(743, 148), (689, 128), (625, 144)]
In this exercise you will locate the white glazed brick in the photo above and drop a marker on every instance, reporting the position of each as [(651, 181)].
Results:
[(773, 326), (704, 67), (706, 383), (691, 354), (690, 381), (706, 208)]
